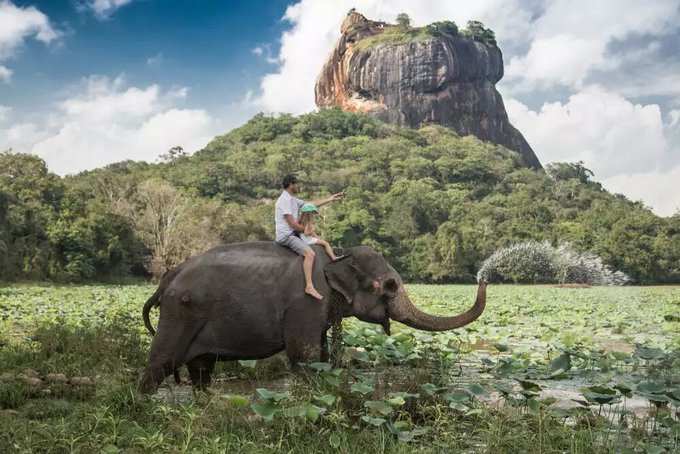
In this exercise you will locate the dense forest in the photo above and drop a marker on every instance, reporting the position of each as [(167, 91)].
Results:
[(434, 203)]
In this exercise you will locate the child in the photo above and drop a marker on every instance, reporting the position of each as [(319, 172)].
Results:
[(309, 236)]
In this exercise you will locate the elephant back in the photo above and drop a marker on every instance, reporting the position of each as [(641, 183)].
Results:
[(248, 271)]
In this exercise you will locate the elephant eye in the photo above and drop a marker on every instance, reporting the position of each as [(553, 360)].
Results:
[(391, 287)]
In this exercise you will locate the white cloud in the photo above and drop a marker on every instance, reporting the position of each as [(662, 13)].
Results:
[(569, 40), (265, 51), (660, 190), (560, 59), (549, 42), (316, 28), (5, 74), (156, 60), (652, 77), (4, 113), (109, 122), (674, 116), (603, 129), (627, 145), (20, 136), (606, 19), (103, 9), (18, 24)]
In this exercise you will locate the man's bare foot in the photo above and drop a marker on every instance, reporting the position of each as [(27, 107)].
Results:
[(311, 291)]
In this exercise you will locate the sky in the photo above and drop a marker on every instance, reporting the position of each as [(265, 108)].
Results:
[(84, 83)]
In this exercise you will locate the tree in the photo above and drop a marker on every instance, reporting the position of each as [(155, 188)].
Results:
[(434, 203), (173, 154), (404, 21), (446, 27), (174, 225), (30, 197), (563, 171), (476, 30)]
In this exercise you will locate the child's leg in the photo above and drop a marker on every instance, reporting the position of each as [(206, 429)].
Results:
[(327, 247)]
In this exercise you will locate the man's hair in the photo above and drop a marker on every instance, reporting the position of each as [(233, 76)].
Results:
[(288, 180)]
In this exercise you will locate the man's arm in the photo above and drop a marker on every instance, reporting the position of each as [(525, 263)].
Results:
[(327, 200), (295, 225)]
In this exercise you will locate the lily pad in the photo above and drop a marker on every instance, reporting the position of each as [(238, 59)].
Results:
[(326, 399), (376, 422), (560, 364), (601, 395), (272, 395), (379, 406), (362, 388), (266, 410)]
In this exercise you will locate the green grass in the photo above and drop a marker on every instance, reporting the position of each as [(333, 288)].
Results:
[(394, 35), (502, 384)]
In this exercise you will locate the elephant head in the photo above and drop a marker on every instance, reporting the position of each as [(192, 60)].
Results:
[(374, 293)]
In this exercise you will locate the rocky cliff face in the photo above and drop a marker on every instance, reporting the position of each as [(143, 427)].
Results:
[(443, 79)]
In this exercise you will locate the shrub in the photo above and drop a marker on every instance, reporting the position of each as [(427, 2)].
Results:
[(534, 262)]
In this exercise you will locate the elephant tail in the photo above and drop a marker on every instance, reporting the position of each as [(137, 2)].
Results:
[(151, 302), (155, 300)]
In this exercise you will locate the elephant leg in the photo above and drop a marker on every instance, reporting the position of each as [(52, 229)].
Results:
[(168, 349), (302, 346), (153, 376), (200, 370)]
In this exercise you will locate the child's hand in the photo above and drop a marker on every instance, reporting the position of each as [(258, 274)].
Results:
[(337, 196)]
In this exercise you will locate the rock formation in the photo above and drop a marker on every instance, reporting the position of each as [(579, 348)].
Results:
[(416, 78)]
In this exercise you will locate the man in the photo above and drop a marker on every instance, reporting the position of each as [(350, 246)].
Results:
[(288, 228)]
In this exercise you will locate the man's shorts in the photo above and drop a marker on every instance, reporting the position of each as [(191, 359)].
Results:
[(294, 243)]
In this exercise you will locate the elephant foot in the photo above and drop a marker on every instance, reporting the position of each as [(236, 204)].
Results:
[(200, 371), (151, 379)]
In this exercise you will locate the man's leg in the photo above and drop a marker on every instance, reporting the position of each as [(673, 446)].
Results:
[(303, 249), (308, 266)]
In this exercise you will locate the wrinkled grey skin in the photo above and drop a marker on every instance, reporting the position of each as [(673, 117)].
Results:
[(246, 301)]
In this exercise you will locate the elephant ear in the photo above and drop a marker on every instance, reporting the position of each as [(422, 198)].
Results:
[(344, 276)]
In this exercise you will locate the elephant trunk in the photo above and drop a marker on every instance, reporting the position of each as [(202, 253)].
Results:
[(404, 311)]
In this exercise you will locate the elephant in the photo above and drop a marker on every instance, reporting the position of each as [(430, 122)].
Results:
[(246, 301)]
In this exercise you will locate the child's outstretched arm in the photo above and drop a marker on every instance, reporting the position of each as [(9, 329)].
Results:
[(309, 229)]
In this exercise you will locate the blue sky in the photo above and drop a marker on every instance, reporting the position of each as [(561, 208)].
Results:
[(205, 45), (87, 82)]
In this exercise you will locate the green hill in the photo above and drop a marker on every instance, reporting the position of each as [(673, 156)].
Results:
[(434, 203)]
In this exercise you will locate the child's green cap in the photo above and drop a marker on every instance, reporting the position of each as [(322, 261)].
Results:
[(309, 208)]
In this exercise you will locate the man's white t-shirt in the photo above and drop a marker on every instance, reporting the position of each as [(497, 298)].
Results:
[(286, 204)]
